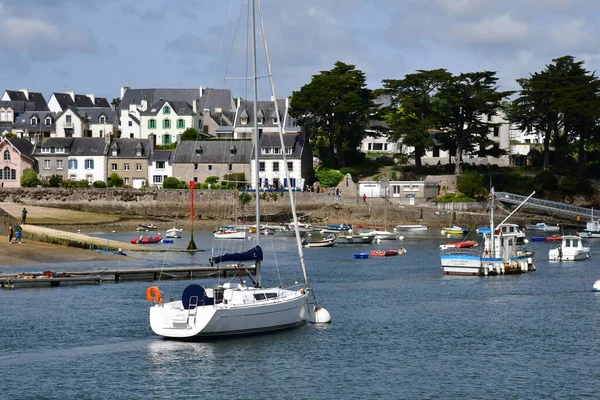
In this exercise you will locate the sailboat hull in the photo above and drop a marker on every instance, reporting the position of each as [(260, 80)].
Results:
[(243, 315)]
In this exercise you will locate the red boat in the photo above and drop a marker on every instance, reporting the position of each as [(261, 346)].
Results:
[(146, 240), (553, 238), (459, 245), (384, 253)]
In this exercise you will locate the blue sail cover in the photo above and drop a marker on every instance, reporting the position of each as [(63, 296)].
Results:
[(255, 254)]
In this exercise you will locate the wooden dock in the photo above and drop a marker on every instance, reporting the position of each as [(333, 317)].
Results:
[(11, 281)]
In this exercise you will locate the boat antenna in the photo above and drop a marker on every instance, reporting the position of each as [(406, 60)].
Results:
[(280, 130), (256, 140)]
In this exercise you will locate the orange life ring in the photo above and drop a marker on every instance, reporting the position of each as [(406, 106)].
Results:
[(153, 294)]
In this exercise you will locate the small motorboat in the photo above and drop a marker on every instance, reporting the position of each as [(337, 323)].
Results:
[(384, 253), (360, 256), (146, 240), (571, 249), (355, 239), (336, 228), (173, 233), (459, 245), (411, 228), (329, 241), (554, 238), (229, 234), (454, 230), (542, 226), (150, 227)]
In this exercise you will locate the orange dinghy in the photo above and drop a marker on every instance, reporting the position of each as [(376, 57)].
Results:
[(384, 253)]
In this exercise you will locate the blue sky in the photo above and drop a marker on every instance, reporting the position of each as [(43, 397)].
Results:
[(97, 46)]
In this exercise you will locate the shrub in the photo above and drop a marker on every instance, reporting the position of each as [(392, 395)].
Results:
[(99, 184), (115, 180), (328, 177), (451, 198), (30, 178), (571, 185), (235, 180), (53, 181), (212, 180), (385, 160), (471, 184), (173, 183), (82, 184), (244, 198)]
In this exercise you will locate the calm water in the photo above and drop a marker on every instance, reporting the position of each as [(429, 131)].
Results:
[(400, 330)]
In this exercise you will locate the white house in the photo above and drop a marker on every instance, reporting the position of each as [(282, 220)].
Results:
[(160, 167), (266, 117), (402, 190), (85, 122), (87, 159), (59, 102), (166, 120)]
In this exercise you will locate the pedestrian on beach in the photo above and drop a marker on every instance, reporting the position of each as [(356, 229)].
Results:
[(23, 216), (364, 197), (18, 233), (10, 233)]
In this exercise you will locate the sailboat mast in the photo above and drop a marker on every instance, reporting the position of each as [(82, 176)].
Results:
[(256, 141), (492, 236), (280, 130)]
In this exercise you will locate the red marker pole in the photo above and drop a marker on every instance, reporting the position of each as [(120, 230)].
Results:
[(192, 245)]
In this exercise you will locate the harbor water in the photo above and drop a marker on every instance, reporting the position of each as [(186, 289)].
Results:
[(400, 330)]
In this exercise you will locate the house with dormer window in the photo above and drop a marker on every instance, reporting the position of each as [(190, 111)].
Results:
[(59, 102), (272, 165), (15, 157), (267, 119), (197, 160), (87, 159), (160, 167), (166, 120), (52, 155), (129, 159), (32, 123), (86, 122)]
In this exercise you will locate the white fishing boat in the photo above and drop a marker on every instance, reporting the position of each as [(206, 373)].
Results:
[(411, 228), (355, 239), (233, 309), (229, 234), (173, 233), (500, 254), (542, 227), (592, 228), (328, 241), (570, 249)]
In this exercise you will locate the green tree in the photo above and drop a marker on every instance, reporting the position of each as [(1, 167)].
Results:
[(116, 103), (463, 102), (99, 184), (471, 183), (411, 114), (328, 177), (190, 135), (54, 180), (334, 108), (115, 180), (173, 183), (30, 178)]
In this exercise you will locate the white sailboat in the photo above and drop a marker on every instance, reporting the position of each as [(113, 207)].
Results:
[(233, 309)]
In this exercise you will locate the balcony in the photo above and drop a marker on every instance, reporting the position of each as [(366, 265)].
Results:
[(67, 124)]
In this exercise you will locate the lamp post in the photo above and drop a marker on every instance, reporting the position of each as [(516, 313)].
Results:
[(108, 241)]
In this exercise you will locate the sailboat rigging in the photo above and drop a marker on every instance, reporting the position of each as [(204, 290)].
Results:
[(234, 309)]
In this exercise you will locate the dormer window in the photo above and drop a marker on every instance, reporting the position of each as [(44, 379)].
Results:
[(114, 152), (244, 120), (260, 117), (45, 149), (59, 150), (232, 150), (138, 153), (166, 110), (102, 119), (34, 121), (266, 150), (198, 150), (48, 121), (274, 119), (6, 155)]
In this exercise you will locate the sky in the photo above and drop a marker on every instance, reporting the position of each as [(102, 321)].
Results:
[(97, 46)]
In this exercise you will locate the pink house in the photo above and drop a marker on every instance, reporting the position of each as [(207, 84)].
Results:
[(14, 159)]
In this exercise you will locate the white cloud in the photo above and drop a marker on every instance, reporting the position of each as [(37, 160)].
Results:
[(498, 29)]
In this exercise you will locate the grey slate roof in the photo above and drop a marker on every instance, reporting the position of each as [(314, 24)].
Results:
[(54, 142), (89, 147), (39, 103), (162, 155), (101, 102), (295, 141), (127, 148), (210, 99), (18, 106), (23, 145), (246, 110), (81, 100), (178, 107), (24, 121), (93, 114), (213, 151)]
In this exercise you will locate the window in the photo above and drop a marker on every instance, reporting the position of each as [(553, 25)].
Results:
[(230, 167), (275, 166), (198, 150), (34, 121), (166, 110), (102, 119), (131, 135), (89, 164), (125, 167), (48, 121), (59, 150), (68, 120), (45, 150), (138, 153), (396, 189), (436, 151), (276, 150), (166, 139), (151, 124), (259, 120), (13, 174), (46, 164), (9, 115), (166, 124), (195, 179), (209, 167), (138, 167), (261, 167), (126, 181), (59, 164), (130, 123), (180, 124), (157, 179), (101, 133), (113, 167), (196, 167), (73, 177), (290, 166), (274, 120), (200, 124), (160, 165), (89, 178), (288, 150), (496, 131), (114, 152), (489, 117), (244, 120), (266, 150), (6, 155), (72, 164), (2, 115)]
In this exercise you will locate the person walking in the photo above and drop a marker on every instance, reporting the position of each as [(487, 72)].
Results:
[(23, 216), (18, 233), (10, 233), (364, 197)]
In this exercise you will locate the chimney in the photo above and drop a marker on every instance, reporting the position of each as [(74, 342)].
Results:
[(26, 92), (72, 94), (151, 141), (123, 90), (92, 97), (195, 104), (36, 140), (144, 105), (201, 91), (107, 139)]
